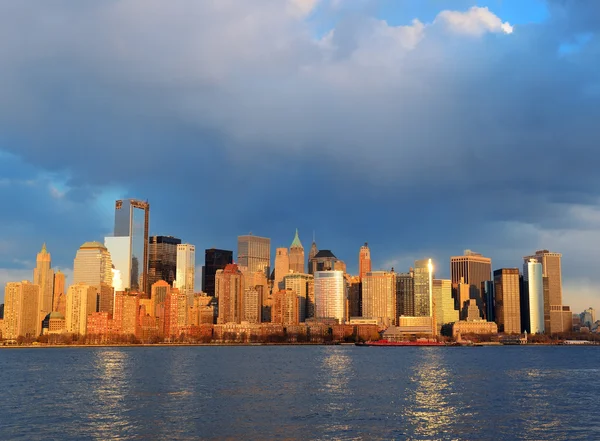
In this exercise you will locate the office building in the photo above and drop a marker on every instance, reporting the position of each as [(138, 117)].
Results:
[(405, 294), (59, 296), (463, 292), (21, 310), (282, 267), (379, 297), (508, 308), (444, 307), (354, 308), (311, 255), (129, 245), (252, 305), (162, 259), (533, 297), (330, 295), (588, 318), (176, 311), (126, 318), (489, 300), (297, 255), (423, 286), (254, 253), (93, 266), (300, 284), (364, 261), (324, 260), (81, 302), (473, 269), (473, 323), (229, 285), (43, 276), (186, 270), (286, 307), (214, 260)]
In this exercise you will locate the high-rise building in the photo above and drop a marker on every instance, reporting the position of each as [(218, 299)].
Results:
[(297, 255), (214, 260), (176, 306), (588, 317), (554, 309), (186, 270), (126, 317), (423, 287), (59, 297), (533, 292), (21, 310), (282, 267), (252, 305), (508, 308), (379, 297), (444, 310), (299, 284), (489, 300), (463, 296), (286, 307), (473, 269), (405, 294), (43, 276), (330, 295), (93, 266), (364, 261), (229, 285), (129, 245), (81, 302), (324, 260), (162, 260), (254, 253), (355, 297), (311, 255)]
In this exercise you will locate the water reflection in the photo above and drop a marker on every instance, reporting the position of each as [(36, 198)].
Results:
[(429, 409)]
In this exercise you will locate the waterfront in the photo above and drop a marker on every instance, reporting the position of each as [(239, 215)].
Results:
[(301, 392)]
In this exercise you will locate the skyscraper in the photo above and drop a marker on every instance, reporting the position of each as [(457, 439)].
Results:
[(186, 270), (364, 261), (81, 302), (423, 286), (252, 305), (130, 243), (21, 310), (330, 295), (162, 261), (534, 293), (282, 267), (176, 306), (93, 266), (508, 308), (254, 253), (214, 260), (297, 255), (299, 284), (473, 269), (229, 284), (444, 309), (286, 307), (379, 296), (43, 276), (311, 254), (405, 294), (324, 260), (59, 299)]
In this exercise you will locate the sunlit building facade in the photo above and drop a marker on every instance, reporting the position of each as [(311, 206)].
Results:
[(21, 310), (472, 269), (423, 287), (379, 297), (162, 259), (330, 295), (508, 307), (534, 291), (300, 284), (214, 259), (186, 270), (81, 302), (364, 261), (254, 253), (282, 267), (228, 289), (43, 276), (444, 308), (297, 255)]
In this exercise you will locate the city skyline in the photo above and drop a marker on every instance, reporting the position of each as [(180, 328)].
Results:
[(319, 109)]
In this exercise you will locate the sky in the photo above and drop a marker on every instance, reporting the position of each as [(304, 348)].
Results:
[(423, 127)]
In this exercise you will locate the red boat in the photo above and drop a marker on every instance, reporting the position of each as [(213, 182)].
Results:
[(401, 343)]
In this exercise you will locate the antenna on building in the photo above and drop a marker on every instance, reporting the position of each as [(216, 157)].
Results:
[(314, 236)]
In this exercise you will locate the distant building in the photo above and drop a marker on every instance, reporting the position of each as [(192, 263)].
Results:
[(355, 297), (423, 286), (202, 311), (330, 295), (129, 245), (445, 312), (162, 260), (252, 305), (364, 261), (228, 289), (214, 260), (282, 267), (299, 284), (286, 307), (126, 317), (533, 297), (463, 296), (297, 255), (254, 253), (473, 324), (473, 269), (186, 270), (379, 296), (81, 302), (43, 276), (405, 294), (59, 300), (176, 308), (54, 323), (21, 311), (588, 317), (93, 266), (508, 308), (311, 255), (489, 300), (324, 260)]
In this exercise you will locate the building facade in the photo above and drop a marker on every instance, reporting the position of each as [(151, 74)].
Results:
[(21, 310), (300, 284), (297, 255), (364, 261), (405, 294), (473, 269), (228, 289), (214, 260), (423, 287), (508, 308), (444, 306), (379, 297), (43, 276), (254, 253), (330, 295), (186, 269), (282, 267), (162, 260), (533, 291), (81, 302)]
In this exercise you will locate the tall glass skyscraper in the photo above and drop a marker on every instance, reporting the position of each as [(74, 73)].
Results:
[(128, 246), (330, 295), (423, 287), (214, 260), (533, 285), (254, 253)]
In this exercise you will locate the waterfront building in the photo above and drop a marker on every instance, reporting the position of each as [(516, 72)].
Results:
[(473, 269), (330, 295), (533, 297), (588, 317), (299, 284), (126, 316), (444, 308), (93, 266), (214, 259), (282, 267), (58, 297), (354, 308), (99, 325), (473, 324), (463, 295), (254, 253), (508, 308), (176, 311), (43, 276), (364, 261), (229, 285), (54, 323), (81, 302), (405, 293), (129, 245), (286, 307), (423, 287), (415, 326), (202, 311), (379, 296), (186, 270), (489, 302), (21, 310), (252, 305), (162, 260), (297, 255)]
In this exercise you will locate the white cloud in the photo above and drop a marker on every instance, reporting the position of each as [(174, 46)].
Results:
[(302, 8), (476, 21)]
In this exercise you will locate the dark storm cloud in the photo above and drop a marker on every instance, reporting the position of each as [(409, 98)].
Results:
[(232, 117)]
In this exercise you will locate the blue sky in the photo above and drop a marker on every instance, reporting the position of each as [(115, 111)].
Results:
[(424, 127)]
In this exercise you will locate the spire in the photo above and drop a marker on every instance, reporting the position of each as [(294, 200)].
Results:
[(296, 242), (44, 248)]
